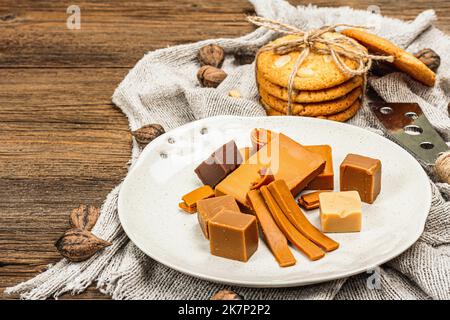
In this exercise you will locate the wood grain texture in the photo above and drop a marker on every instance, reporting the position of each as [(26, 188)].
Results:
[(62, 142)]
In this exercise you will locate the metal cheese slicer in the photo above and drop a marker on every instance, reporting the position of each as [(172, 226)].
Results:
[(409, 127)]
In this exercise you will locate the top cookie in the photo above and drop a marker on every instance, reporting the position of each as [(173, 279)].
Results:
[(316, 73), (403, 60)]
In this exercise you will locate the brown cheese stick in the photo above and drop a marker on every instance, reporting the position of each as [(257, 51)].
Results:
[(275, 239), (312, 251), (286, 201)]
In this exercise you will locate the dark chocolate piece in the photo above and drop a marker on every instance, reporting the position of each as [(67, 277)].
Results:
[(221, 163)]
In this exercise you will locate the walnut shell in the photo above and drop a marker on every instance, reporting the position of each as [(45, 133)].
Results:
[(245, 55), (211, 55), (210, 76), (147, 133), (84, 217), (79, 245), (429, 57), (226, 295), (381, 68)]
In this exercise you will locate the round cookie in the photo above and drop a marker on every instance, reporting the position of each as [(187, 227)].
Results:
[(344, 115), (270, 112), (340, 117), (403, 60), (310, 96), (317, 72), (312, 109)]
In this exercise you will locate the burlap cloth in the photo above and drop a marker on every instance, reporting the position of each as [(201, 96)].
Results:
[(162, 88)]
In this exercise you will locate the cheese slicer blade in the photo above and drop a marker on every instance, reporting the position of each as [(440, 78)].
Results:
[(409, 127)]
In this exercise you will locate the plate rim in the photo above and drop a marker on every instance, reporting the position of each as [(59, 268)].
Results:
[(276, 283)]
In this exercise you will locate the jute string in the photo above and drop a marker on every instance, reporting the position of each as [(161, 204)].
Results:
[(314, 41)]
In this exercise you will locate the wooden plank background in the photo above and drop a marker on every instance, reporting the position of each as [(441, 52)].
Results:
[(62, 142)]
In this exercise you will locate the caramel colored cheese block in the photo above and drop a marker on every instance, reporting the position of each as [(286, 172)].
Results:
[(266, 177), (310, 200), (280, 191), (190, 199), (285, 158), (403, 60), (317, 72), (271, 112), (208, 208), (325, 180), (362, 174), (310, 96), (273, 236), (340, 211), (298, 240), (233, 236), (313, 109), (260, 137)]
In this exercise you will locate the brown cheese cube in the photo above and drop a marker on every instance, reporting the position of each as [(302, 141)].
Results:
[(233, 236), (362, 174), (208, 208)]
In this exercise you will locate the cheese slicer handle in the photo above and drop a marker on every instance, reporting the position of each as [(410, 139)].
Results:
[(442, 167)]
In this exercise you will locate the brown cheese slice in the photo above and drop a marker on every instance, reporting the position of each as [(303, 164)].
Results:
[(190, 199), (187, 209), (275, 239), (286, 201), (310, 200), (286, 159)]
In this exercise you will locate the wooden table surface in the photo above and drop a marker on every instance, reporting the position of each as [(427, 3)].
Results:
[(62, 141)]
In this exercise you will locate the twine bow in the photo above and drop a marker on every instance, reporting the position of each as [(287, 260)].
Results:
[(313, 40)]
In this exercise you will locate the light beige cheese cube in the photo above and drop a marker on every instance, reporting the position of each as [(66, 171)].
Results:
[(340, 211)]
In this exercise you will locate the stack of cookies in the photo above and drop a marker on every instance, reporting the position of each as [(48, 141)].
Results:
[(320, 88)]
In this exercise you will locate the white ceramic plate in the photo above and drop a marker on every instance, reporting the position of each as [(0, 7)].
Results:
[(149, 197)]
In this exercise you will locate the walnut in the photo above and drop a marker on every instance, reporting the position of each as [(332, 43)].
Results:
[(84, 217), (211, 55), (79, 245), (210, 76), (245, 55), (147, 133), (430, 58), (381, 68), (226, 295)]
